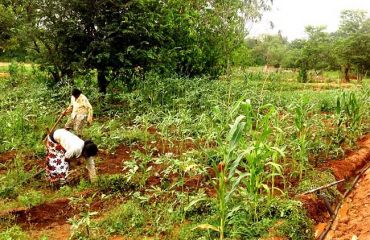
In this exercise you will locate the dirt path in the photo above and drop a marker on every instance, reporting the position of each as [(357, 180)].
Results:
[(353, 219), (347, 168)]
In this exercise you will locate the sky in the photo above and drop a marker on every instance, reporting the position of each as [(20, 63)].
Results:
[(291, 16)]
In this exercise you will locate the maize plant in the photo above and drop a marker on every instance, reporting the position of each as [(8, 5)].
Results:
[(301, 142)]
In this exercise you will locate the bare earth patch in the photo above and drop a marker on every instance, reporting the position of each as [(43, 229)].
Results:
[(4, 74), (353, 219), (354, 215)]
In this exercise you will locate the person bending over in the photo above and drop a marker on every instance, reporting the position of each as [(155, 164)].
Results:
[(81, 112), (63, 146)]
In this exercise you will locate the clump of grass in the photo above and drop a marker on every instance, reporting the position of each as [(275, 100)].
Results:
[(31, 198), (14, 180), (114, 183), (275, 217), (14, 232), (125, 219), (314, 179)]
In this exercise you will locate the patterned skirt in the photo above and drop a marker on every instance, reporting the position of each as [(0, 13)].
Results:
[(56, 165)]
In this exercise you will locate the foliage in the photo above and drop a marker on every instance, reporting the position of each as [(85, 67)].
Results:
[(31, 198), (277, 216), (314, 179), (114, 183), (125, 219), (180, 128), (125, 40), (353, 38), (81, 225), (14, 180), (13, 233)]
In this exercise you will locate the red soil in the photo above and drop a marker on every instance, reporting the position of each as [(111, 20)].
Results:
[(353, 219), (315, 208), (347, 167), (44, 215), (52, 218), (113, 163), (356, 204), (7, 156)]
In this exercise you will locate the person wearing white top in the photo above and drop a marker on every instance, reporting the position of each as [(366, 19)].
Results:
[(81, 112), (63, 146)]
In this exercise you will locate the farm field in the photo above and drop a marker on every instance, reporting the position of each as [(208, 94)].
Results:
[(187, 158)]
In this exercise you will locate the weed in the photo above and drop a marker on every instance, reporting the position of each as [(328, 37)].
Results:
[(115, 183), (31, 198), (125, 219), (82, 226), (13, 233)]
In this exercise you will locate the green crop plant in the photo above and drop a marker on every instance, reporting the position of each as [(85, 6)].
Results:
[(82, 226), (226, 181), (138, 169), (301, 142), (348, 117), (253, 131), (352, 109), (263, 150)]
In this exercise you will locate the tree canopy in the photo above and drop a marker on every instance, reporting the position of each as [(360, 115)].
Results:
[(122, 40)]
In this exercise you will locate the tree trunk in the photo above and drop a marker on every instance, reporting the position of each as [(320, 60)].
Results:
[(55, 73), (102, 81), (346, 73), (68, 73)]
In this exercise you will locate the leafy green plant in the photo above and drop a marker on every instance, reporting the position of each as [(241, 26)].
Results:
[(254, 159), (275, 217), (114, 183), (301, 142), (81, 225), (13, 233), (31, 198), (125, 219)]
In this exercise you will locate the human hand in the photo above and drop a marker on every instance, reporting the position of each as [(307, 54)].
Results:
[(89, 121)]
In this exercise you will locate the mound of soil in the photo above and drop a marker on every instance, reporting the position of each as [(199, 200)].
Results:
[(316, 208), (348, 167)]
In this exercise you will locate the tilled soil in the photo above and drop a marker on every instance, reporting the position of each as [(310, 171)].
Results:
[(53, 216), (353, 220)]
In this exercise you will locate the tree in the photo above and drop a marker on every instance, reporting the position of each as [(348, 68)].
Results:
[(317, 49), (7, 23), (123, 39), (353, 42)]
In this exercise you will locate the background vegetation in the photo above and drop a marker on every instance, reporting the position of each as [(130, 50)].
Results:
[(219, 146)]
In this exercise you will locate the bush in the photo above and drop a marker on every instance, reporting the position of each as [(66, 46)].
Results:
[(302, 75)]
